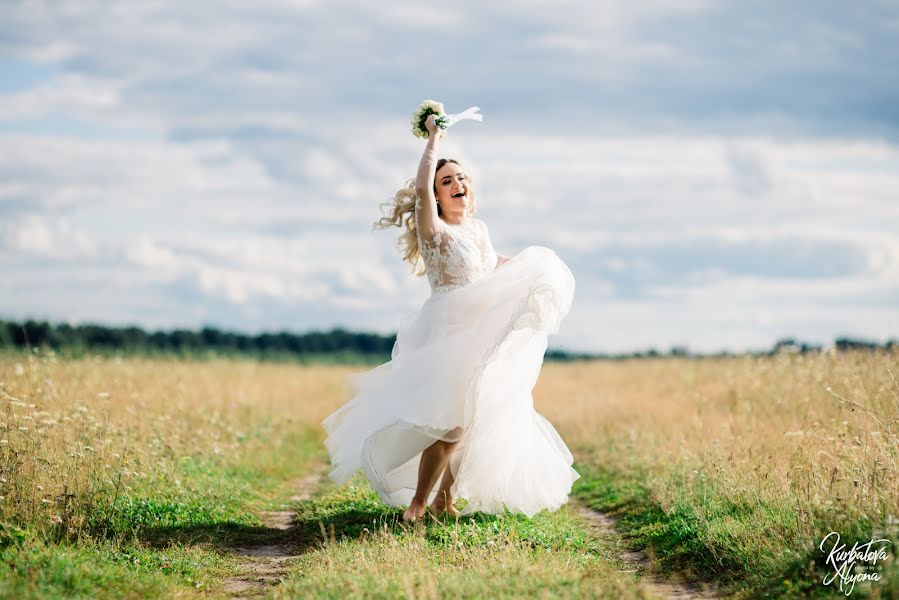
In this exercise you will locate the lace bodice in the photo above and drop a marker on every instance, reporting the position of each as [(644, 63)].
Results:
[(457, 255)]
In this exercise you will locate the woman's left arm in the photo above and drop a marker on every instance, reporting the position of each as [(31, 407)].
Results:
[(487, 245)]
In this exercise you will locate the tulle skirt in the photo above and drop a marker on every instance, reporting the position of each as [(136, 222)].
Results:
[(468, 359)]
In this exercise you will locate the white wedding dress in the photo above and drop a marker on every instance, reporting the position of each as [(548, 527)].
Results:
[(469, 358)]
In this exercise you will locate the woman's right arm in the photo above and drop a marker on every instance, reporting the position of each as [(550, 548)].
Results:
[(426, 209)]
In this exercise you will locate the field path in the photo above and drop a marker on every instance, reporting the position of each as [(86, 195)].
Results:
[(265, 563), (603, 526)]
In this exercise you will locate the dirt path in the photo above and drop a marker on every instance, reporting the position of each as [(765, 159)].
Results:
[(264, 564), (603, 525)]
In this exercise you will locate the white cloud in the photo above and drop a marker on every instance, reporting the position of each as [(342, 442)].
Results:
[(708, 169), (84, 96), (236, 286), (144, 251), (53, 238)]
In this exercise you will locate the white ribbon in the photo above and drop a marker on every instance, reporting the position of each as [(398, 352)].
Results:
[(448, 121)]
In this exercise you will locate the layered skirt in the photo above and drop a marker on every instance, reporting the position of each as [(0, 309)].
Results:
[(468, 360)]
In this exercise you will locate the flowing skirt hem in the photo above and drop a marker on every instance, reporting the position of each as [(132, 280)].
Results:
[(542, 476)]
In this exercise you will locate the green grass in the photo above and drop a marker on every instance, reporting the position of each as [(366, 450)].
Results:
[(355, 546), (170, 536), (340, 357), (106, 569), (167, 536), (750, 547)]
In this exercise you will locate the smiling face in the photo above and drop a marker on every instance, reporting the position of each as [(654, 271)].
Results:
[(453, 190)]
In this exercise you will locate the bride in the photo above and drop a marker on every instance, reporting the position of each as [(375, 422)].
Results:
[(455, 401)]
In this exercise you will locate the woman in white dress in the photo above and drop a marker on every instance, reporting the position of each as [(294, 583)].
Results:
[(455, 401)]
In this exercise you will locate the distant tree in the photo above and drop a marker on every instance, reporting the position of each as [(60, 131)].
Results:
[(846, 343), (6, 338)]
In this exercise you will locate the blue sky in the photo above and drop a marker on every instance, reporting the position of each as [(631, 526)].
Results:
[(717, 174)]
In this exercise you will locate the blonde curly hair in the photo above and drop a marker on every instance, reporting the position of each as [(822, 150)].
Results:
[(401, 213)]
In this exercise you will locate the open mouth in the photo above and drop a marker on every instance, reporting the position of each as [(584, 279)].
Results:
[(459, 195)]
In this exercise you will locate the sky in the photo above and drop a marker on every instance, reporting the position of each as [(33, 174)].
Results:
[(717, 175)]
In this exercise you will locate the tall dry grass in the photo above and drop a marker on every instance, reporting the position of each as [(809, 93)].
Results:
[(75, 435), (810, 440), (813, 439)]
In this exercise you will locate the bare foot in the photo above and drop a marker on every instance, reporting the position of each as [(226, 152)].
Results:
[(439, 505), (415, 511)]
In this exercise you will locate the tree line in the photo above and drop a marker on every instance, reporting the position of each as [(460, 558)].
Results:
[(336, 345)]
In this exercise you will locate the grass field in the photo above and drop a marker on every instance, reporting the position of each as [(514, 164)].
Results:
[(130, 478)]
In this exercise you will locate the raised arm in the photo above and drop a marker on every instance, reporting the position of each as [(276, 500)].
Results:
[(426, 209)]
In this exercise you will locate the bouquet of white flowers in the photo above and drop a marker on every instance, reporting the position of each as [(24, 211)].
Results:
[(443, 120)]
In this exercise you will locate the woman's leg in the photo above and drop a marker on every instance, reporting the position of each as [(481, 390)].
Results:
[(444, 500), (433, 462)]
